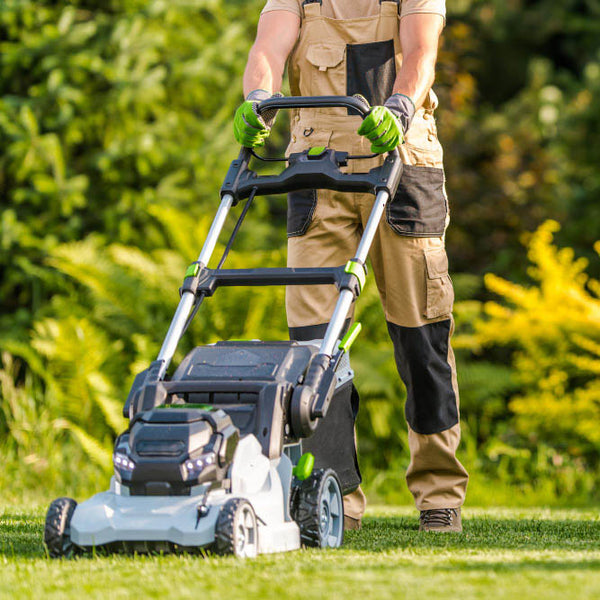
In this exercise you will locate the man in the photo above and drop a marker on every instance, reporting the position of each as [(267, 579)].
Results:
[(385, 51)]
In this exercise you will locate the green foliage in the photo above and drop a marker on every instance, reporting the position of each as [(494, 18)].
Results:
[(113, 328), (105, 112), (115, 133), (32, 429), (518, 117)]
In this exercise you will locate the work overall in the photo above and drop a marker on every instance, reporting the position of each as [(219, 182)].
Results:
[(363, 55)]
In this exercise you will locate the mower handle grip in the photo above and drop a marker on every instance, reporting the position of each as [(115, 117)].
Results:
[(351, 102), (288, 102)]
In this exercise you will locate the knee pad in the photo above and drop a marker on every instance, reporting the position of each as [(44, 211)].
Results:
[(422, 359)]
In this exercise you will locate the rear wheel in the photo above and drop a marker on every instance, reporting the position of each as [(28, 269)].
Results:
[(318, 509), (237, 529), (57, 531)]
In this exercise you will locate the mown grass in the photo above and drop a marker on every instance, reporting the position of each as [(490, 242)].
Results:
[(506, 553)]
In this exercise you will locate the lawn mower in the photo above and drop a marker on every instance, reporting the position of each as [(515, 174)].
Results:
[(213, 455)]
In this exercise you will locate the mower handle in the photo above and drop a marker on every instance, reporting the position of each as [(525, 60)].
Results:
[(288, 102), (361, 106), (306, 170)]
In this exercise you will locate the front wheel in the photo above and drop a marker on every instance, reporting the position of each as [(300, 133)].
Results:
[(236, 531), (57, 530), (318, 509)]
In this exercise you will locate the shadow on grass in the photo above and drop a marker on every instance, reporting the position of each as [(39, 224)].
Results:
[(385, 533), (551, 566), (21, 536)]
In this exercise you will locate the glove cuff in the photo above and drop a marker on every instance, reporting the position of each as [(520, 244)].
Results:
[(403, 108), (268, 116), (258, 95)]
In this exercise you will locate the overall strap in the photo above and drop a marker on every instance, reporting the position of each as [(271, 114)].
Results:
[(385, 3), (312, 8)]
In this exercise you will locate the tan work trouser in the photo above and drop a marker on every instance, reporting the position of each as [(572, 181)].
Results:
[(412, 278), (408, 257)]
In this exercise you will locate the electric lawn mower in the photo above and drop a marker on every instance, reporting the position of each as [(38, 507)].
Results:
[(213, 456)]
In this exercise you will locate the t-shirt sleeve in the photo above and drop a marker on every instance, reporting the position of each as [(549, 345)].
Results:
[(293, 6), (411, 7)]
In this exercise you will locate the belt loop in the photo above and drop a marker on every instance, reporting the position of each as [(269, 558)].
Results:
[(310, 10)]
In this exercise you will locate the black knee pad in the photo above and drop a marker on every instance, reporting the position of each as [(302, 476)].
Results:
[(313, 332), (422, 359)]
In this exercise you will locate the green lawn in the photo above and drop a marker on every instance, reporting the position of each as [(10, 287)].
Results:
[(541, 554)]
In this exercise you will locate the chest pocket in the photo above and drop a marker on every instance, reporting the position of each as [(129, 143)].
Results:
[(303, 203), (328, 77), (371, 70)]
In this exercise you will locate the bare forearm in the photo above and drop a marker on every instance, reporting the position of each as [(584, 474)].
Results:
[(262, 72), (416, 75), (419, 36), (275, 37)]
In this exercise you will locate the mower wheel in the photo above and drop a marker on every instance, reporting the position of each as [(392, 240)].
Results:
[(318, 509), (57, 531), (236, 531)]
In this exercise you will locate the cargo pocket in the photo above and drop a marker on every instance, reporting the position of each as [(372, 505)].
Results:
[(328, 74), (371, 70), (439, 293), (300, 211), (419, 207)]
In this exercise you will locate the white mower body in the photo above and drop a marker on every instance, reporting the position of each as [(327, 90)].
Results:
[(151, 522)]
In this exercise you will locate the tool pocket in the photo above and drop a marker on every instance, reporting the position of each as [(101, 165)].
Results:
[(327, 78), (439, 293), (422, 146), (371, 70), (419, 207), (301, 207)]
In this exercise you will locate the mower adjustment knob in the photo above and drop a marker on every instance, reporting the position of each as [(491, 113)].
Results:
[(303, 425), (302, 417)]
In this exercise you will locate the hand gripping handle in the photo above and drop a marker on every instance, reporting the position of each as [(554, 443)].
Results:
[(241, 179), (356, 103)]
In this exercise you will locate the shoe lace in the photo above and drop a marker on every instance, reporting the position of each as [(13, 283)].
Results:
[(438, 517)]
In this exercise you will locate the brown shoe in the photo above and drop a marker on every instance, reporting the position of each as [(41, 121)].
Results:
[(441, 520), (351, 523)]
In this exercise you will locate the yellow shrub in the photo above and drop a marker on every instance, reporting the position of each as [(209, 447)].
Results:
[(554, 329)]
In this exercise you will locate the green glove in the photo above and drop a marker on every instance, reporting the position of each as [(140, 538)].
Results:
[(251, 129), (383, 129)]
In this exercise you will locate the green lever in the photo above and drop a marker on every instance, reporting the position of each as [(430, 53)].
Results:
[(304, 467), (192, 270), (316, 151), (350, 336)]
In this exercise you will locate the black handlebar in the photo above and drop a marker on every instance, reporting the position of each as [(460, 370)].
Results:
[(312, 170), (351, 102)]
